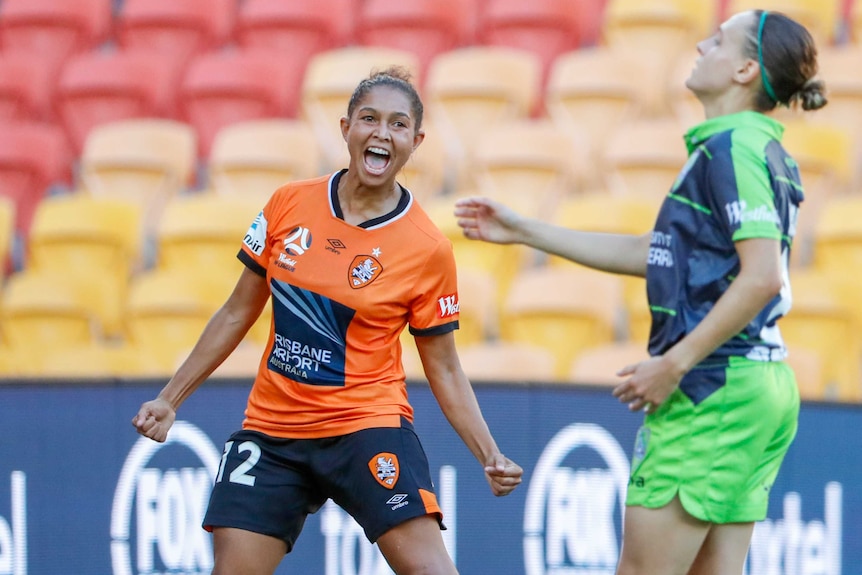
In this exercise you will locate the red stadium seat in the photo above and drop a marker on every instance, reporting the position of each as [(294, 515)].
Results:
[(32, 157), (547, 28), (224, 88), (55, 29), (424, 27), (27, 84), (178, 29), (98, 88)]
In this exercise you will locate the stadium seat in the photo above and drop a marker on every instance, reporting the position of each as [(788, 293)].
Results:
[(508, 362), (330, 79), (530, 165), (565, 310), (33, 157), (202, 233), (98, 88), (478, 319), (807, 365), (470, 89), (426, 174), (426, 28), (589, 93), (644, 157), (599, 365), (220, 89), (243, 362), (27, 84), (685, 106), (654, 33), (146, 160), (546, 28), (177, 31), (55, 29), (820, 17), (166, 312), (855, 22), (838, 235), (818, 320), (96, 241), (291, 30), (99, 360), (41, 311), (252, 159), (7, 235)]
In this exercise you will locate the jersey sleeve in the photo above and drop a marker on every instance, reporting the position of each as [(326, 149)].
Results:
[(434, 309), (253, 252), (743, 194)]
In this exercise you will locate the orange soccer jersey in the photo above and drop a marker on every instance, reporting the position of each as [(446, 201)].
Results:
[(341, 295)]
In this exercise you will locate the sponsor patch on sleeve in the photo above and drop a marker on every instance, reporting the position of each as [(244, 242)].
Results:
[(255, 237), (448, 305)]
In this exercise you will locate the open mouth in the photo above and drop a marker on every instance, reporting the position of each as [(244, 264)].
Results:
[(376, 160)]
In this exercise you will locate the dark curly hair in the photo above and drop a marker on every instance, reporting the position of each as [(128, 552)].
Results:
[(396, 77)]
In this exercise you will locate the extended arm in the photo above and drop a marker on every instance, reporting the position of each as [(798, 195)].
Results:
[(222, 334), (759, 280), (455, 395), (490, 221)]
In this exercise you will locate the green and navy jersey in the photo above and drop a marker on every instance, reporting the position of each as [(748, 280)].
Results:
[(738, 183)]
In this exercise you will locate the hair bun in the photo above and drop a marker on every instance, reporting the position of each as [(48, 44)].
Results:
[(812, 96)]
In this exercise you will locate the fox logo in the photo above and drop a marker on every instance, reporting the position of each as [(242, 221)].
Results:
[(448, 305), (363, 271)]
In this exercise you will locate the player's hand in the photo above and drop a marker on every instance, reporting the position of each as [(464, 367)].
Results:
[(648, 384), (487, 220), (154, 419), (503, 474)]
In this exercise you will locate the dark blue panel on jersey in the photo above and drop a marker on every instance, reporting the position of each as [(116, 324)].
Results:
[(310, 335)]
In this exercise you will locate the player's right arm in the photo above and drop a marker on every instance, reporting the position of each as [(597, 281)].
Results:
[(490, 221), (222, 334)]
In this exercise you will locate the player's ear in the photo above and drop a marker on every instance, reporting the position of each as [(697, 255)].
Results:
[(345, 127)]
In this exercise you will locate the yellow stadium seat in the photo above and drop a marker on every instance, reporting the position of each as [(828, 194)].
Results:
[(251, 159), (166, 313), (7, 233), (478, 319), (562, 309), (470, 89), (838, 235), (204, 232), (599, 365), (426, 174), (638, 315), (655, 33), (330, 80), (507, 362), (40, 311), (644, 157), (820, 17), (145, 160), (684, 104), (95, 241), (819, 321), (808, 367), (589, 93), (527, 164), (98, 360)]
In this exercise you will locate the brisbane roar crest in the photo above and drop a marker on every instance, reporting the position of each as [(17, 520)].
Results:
[(363, 270), (385, 469)]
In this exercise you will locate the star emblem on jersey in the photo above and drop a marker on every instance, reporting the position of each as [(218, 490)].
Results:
[(363, 270), (375, 252), (385, 469)]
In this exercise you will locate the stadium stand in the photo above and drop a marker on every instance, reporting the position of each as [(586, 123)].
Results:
[(838, 235), (146, 161), (33, 157), (101, 87), (478, 318), (55, 29), (27, 84), (425, 28), (507, 362), (93, 241), (252, 159), (600, 364), (577, 309)]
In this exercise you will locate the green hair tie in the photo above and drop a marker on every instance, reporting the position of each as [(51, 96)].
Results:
[(765, 79)]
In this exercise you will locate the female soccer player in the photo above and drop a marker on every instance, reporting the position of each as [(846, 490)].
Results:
[(721, 403), (348, 259)]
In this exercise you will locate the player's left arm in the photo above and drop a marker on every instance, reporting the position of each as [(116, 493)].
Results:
[(458, 402)]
